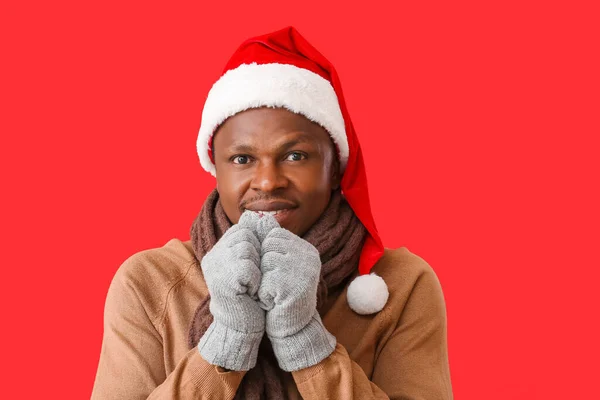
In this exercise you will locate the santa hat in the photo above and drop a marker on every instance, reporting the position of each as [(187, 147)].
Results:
[(282, 69)]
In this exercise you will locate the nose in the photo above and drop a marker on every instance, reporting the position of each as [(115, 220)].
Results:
[(268, 177)]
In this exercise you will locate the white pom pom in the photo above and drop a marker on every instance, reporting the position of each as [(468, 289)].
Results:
[(367, 294)]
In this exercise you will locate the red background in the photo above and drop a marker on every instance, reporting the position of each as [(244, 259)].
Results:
[(479, 124)]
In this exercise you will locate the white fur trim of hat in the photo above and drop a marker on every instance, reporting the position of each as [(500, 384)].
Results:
[(272, 85)]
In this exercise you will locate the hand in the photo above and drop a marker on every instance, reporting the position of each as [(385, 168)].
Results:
[(291, 270), (232, 274)]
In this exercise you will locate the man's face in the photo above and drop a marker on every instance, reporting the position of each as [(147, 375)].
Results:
[(275, 161)]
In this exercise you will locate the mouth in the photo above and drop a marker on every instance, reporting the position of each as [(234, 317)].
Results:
[(282, 210), (281, 216)]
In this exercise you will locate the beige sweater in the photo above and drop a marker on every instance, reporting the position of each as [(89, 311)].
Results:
[(399, 353)]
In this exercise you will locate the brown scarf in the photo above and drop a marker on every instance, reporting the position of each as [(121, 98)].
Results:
[(338, 236)]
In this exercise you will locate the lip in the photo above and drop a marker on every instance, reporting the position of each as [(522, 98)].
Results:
[(270, 206)]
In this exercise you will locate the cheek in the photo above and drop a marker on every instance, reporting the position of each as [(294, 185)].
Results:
[(231, 192), (315, 185), (318, 179)]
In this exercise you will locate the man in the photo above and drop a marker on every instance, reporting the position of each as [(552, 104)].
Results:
[(284, 290)]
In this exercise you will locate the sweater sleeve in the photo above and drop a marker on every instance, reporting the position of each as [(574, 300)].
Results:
[(131, 362), (413, 363), (336, 377)]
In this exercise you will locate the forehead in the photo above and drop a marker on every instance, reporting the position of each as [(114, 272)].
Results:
[(271, 124)]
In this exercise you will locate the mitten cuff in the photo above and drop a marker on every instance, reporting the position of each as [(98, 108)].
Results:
[(307, 347), (229, 348)]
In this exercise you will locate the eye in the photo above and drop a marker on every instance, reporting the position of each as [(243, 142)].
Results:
[(295, 156), (241, 159)]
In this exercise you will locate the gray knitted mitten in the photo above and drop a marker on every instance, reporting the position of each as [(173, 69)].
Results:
[(232, 273), (291, 269)]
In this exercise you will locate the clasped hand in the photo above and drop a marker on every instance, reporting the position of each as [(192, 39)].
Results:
[(263, 278)]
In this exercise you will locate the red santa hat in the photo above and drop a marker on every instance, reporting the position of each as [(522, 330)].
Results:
[(281, 69)]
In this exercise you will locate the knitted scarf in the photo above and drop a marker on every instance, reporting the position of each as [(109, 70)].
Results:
[(338, 235)]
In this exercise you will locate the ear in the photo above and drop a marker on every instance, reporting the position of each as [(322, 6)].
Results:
[(335, 175)]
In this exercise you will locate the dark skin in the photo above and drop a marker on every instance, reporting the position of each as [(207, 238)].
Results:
[(270, 159)]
